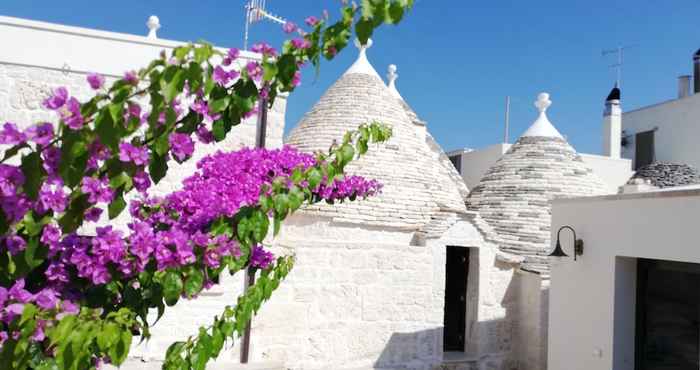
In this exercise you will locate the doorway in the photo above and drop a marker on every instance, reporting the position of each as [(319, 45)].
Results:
[(668, 316), (457, 271)]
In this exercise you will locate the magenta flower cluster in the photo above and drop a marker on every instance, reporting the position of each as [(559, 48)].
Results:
[(171, 232)]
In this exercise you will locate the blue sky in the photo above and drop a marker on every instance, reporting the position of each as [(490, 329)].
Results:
[(457, 59)]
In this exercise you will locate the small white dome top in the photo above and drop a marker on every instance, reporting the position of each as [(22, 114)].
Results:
[(391, 77), (153, 25), (362, 64), (542, 127)]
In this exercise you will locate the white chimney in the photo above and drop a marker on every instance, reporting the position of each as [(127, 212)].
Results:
[(684, 86), (612, 125)]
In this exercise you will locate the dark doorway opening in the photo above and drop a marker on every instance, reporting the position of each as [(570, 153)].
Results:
[(457, 271), (644, 149), (668, 316)]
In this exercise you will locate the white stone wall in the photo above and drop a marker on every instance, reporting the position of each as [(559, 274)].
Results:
[(358, 298)]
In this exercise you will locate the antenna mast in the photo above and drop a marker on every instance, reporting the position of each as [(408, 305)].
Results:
[(620, 52), (255, 12)]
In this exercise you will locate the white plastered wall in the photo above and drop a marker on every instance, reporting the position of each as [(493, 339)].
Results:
[(592, 300), (677, 124)]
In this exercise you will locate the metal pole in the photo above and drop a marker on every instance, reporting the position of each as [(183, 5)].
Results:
[(506, 134), (261, 132)]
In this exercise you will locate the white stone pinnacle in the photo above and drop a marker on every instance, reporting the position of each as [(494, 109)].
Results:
[(391, 77), (542, 126), (153, 25), (362, 64)]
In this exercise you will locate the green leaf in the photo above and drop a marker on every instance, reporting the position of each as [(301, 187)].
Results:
[(34, 254), (108, 336), (117, 205), (158, 167), (107, 131), (174, 85), (14, 150), (219, 130), (194, 283), (33, 174), (396, 11), (172, 287), (364, 29), (219, 105), (314, 177), (161, 144)]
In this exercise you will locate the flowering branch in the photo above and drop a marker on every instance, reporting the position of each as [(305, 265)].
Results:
[(71, 300)]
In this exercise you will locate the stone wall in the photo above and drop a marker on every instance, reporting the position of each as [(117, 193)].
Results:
[(358, 298)]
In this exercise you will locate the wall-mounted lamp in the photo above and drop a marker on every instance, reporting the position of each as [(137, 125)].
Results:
[(578, 245)]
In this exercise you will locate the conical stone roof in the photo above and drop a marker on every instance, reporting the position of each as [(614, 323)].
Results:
[(514, 195), (416, 184)]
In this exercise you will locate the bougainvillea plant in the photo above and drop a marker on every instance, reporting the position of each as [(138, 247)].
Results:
[(74, 299)]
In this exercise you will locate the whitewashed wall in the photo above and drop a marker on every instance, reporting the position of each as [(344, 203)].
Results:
[(678, 123), (38, 57), (592, 300)]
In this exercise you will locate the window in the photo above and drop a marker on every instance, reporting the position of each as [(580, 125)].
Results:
[(457, 162), (644, 149)]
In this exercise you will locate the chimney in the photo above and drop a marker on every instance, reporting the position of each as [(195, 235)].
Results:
[(684, 86), (612, 124), (696, 68)]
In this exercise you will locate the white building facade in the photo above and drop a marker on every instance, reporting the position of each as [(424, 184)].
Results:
[(630, 301), (667, 131)]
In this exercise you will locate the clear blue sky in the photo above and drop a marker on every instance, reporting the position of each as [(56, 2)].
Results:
[(457, 59)]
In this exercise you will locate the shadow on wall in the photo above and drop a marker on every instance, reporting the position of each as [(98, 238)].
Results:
[(419, 350), (493, 332)]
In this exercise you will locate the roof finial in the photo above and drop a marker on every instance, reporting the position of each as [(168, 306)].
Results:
[(543, 102), (153, 25), (362, 65), (542, 127), (391, 77)]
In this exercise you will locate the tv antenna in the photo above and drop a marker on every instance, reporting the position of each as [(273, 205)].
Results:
[(620, 53), (254, 13)]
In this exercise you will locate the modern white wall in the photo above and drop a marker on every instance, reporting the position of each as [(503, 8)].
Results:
[(678, 123), (475, 163), (614, 172), (592, 310)]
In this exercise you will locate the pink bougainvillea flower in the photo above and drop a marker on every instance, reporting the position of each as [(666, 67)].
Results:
[(311, 21), (95, 80), (181, 145), (57, 99), (41, 134), (131, 77), (11, 135), (289, 27), (300, 43), (254, 69), (70, 114)]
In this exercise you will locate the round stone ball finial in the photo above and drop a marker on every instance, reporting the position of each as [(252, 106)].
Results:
[(543, 102), (153, 25), (392, 75)]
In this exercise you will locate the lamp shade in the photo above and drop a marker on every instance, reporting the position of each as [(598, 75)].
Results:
[(558, 252)]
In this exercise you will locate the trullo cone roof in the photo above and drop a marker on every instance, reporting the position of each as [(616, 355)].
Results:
[(416, 184), (514, 195)]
